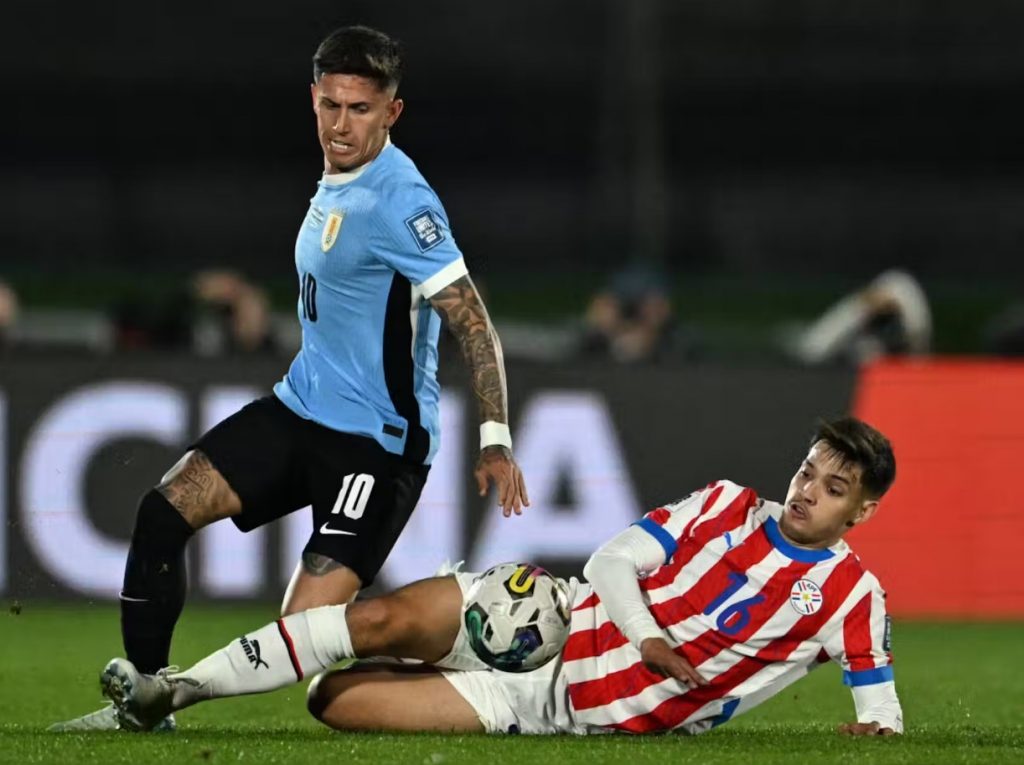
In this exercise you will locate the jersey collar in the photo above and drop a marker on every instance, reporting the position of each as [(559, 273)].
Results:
[(340, 179), (802, 554)]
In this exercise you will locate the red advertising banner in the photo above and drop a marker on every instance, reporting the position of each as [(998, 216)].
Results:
[(947, 538)]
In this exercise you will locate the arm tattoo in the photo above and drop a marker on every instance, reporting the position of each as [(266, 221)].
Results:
[(192, 487), (467, 318), (318, 565)]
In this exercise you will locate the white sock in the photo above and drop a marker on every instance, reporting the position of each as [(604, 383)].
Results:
[(275, 656)]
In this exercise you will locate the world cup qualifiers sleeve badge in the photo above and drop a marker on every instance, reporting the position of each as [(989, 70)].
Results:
[(806, 597), (425, 230)]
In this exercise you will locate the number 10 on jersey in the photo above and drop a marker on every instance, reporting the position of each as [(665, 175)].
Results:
[(308, 295)]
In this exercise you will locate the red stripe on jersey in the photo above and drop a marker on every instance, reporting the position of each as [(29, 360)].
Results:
[(734, 515), (834, 592), (616, 685), (692, 543), (692, 601), (667, 573), (776, 592), (709, 502), (586, 644), (631, 680), (672, 712), (857, 636), (659, 516)]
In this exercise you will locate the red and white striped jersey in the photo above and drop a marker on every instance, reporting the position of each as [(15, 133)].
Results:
[(750, 611)]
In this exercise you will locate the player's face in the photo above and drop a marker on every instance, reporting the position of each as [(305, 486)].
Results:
[(825, 499), (353, 117)]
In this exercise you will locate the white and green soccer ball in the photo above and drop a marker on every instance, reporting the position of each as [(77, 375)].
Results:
[(517, 616)]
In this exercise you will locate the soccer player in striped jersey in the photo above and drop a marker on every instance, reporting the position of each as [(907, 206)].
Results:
[(699, 612)]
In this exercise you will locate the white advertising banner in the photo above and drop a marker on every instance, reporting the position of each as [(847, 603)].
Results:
[(81, 441)]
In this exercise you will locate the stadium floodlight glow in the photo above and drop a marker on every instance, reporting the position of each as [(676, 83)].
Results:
[(563, 438), (56, 458)]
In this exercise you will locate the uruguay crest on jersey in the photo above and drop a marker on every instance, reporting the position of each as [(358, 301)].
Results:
[(331, 229)]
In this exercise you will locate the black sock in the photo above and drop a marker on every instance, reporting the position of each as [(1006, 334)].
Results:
[(154, 582)]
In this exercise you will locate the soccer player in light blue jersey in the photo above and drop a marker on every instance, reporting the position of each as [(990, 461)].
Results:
[(352, 427)]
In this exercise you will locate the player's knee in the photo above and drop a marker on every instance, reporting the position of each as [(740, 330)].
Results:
[(158, 520), (380, 621), (198, 491), (321, 696), (316, 697)]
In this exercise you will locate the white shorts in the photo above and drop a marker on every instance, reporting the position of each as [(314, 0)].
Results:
[(509, 702)]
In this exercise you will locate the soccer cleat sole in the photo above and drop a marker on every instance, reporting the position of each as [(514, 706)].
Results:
[(116, 686)]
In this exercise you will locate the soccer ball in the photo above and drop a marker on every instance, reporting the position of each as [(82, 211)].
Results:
[(517, 616)]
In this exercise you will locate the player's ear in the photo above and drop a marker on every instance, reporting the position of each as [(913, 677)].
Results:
[(312, 93), (394, 110), (867, 509)]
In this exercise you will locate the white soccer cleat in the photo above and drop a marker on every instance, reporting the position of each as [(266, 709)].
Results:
[(104, 719), (101, 719), (141, 702)]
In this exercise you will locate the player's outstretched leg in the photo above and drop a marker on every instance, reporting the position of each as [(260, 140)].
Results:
[(420, 621)]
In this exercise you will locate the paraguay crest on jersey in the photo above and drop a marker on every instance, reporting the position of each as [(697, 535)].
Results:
[(806, 597), (331, 229)]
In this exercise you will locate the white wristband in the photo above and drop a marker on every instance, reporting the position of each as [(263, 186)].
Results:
[(495, 434)]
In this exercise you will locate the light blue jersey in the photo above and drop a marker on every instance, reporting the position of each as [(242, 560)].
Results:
[(374, 246)]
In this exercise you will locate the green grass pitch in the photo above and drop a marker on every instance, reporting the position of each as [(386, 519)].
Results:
[(961, 686)]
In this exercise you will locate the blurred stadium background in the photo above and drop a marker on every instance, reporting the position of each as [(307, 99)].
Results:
[(817, 206)]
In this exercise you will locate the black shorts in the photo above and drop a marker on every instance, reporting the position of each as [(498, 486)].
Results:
[(278, 462)]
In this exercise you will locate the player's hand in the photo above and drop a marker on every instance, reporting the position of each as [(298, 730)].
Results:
[(496, 465), (865, 729), (658, 656)]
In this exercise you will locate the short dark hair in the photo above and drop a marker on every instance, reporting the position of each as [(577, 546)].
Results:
[(857, 443), (360, 51)]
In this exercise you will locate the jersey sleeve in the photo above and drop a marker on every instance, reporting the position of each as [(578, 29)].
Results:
[(417, 240), (613, 571), (721, 501), (861, 646)]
